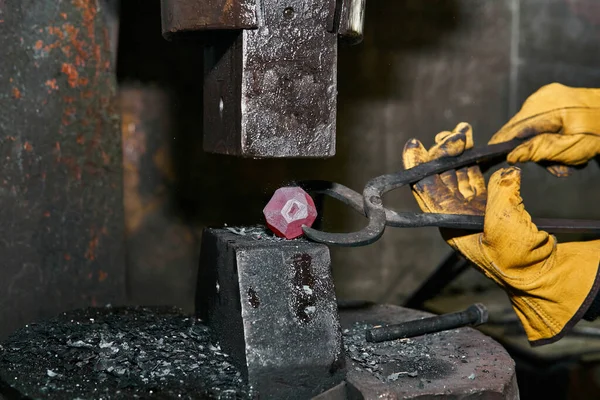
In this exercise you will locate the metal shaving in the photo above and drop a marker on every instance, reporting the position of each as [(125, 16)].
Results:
[(257, 232), (393, 360), (119, 353)]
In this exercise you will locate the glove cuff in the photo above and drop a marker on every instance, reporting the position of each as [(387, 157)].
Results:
[(593, 311), (589, 307)]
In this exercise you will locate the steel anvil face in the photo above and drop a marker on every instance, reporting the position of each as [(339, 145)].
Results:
[(271, 305)]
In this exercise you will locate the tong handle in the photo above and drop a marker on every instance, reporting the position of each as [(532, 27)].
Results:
[(475, 223)]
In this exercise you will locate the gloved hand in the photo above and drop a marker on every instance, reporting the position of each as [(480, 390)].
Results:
[(567, 122), (551, 285)]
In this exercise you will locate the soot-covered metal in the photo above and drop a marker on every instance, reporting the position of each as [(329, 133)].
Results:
[(272, 306), (118, 353), (459, 363)]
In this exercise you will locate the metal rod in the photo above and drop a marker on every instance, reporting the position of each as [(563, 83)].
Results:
[(476, 314)]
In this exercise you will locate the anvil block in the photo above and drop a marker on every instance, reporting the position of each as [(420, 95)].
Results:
[(271, 305)]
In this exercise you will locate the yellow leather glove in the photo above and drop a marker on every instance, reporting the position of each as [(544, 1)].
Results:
[(566, 121), (551, 285)]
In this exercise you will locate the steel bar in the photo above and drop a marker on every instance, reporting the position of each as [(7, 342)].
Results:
[(457, 364), (476, 314), (182, 16)]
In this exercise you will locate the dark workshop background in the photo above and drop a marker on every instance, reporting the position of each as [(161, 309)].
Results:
[(69, 236), (423, 67)]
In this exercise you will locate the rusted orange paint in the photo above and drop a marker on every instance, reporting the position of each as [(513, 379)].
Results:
[(68, 114), (51, 84), (80, 139), (72, 74), (51, 46), (67, 256), (16, 93), (102, 276), (56, 31), (66, 51), (88, 10), (105, 158), (47, 214), (97, 54), (90, 253), (27, 146), (78, 44), (83, 81), (63, 15), (39, 44)]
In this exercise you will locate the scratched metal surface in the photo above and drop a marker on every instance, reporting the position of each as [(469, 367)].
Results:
[(61, 220), (456, 364), (271, 92), (272, 307)]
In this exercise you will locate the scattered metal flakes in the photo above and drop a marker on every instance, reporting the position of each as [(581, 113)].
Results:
[(472, 376), (396, 375), (120, 353), (257, 232), (375, 357)]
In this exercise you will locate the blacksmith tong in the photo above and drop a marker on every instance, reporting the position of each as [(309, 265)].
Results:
[(370, 203)]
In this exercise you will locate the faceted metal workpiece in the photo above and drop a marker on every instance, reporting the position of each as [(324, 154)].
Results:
[(271, 305), (288, 210)]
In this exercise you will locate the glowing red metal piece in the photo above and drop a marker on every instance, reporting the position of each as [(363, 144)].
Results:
[(288, 210)]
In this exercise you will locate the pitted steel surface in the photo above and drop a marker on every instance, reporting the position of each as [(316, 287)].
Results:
[(271, 305), (459, 364)]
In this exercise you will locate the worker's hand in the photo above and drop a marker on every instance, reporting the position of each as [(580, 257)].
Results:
[(566, 121), (550, 285)]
